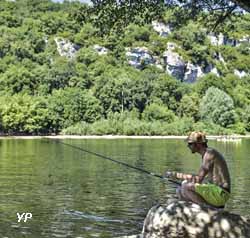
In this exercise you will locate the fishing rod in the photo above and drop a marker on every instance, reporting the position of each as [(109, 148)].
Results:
[(118, 162)]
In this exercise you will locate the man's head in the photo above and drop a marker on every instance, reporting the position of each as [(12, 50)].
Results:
[(196, 140)]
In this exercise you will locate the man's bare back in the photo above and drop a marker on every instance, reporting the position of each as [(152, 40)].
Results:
[(218, 172)]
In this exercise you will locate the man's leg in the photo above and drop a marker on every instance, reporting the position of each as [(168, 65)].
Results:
[(187, 192)]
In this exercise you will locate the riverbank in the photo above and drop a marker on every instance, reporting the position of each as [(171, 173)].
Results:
[(209, 137)]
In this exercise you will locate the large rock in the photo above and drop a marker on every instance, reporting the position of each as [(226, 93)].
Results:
[(66, 48), (192, 72), (188, 220), (100, 49), (244, 40), (162, 29), (239, 73), (175, 65), (139, 57), (221, 39)]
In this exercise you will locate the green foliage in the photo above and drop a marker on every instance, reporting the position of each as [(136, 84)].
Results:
[(158, 112), (94, 93), (87, 36), (207, 81), (52, 23), (238, 128), (127, 125), (120, 90), (189, 106), (217, 107), (18, 79), (211, 128), (135, 33), (116, 15), (238, 60), (72, 105), (87, 56), (9, 20), (190, 34), (59, 75), (168, 90), (24, 114), (246, 117)]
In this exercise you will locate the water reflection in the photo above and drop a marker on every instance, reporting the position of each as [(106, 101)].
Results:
[(73, 194)]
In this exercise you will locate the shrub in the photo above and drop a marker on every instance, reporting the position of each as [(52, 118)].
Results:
[(217, 107), (158, 112)]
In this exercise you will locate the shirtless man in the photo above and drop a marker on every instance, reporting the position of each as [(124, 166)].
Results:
[(215, 189)]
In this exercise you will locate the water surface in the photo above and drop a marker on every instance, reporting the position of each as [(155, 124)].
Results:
[(74, 194)]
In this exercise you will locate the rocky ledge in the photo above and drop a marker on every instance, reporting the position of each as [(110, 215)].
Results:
[(182, 219)]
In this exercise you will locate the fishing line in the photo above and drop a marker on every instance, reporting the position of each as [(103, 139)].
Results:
[(117, 161)]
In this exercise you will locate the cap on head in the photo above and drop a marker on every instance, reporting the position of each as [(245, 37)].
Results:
[(196, 137)]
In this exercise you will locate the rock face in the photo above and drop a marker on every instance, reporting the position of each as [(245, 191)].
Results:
[(244, 40), (240, 74), (221, 39), (139, 57), (100, 50), (175, 65), (184, 71), (162, 29), (182, 219), (192, 72), (66, 48)]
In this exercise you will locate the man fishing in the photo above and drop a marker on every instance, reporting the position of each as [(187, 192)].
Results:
[(211, 185)]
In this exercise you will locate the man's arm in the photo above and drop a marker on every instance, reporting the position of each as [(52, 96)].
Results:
[(206, 166), (178, 175), (182, 176)]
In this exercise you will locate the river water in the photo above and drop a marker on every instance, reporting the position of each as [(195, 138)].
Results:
[(74, 194)]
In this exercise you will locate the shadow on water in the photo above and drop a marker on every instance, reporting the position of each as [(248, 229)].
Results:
[(73, 194)]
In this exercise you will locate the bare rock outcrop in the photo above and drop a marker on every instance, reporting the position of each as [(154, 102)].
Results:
[(189, 220), (181, 219)]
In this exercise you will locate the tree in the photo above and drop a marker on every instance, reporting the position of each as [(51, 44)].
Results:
[(189, 106), (217, 107), (59, 75), (123, 89), (245, 4), (24, 114), (18, 79), (208, 81), (87, 36), (115, 15), (6, 18), (72, 105), (134, 33), (218, 10), (168, 90), (158, 112)]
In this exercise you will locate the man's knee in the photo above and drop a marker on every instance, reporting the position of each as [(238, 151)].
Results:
[(188, 186)]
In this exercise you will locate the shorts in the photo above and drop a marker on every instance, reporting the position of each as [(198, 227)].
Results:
[(212, 194)]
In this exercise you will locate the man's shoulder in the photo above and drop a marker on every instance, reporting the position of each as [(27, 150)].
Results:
[(213, 153), (211, 150)]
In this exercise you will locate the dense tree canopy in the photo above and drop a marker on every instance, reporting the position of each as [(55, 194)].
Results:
[(117, 14), (67, 67)]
